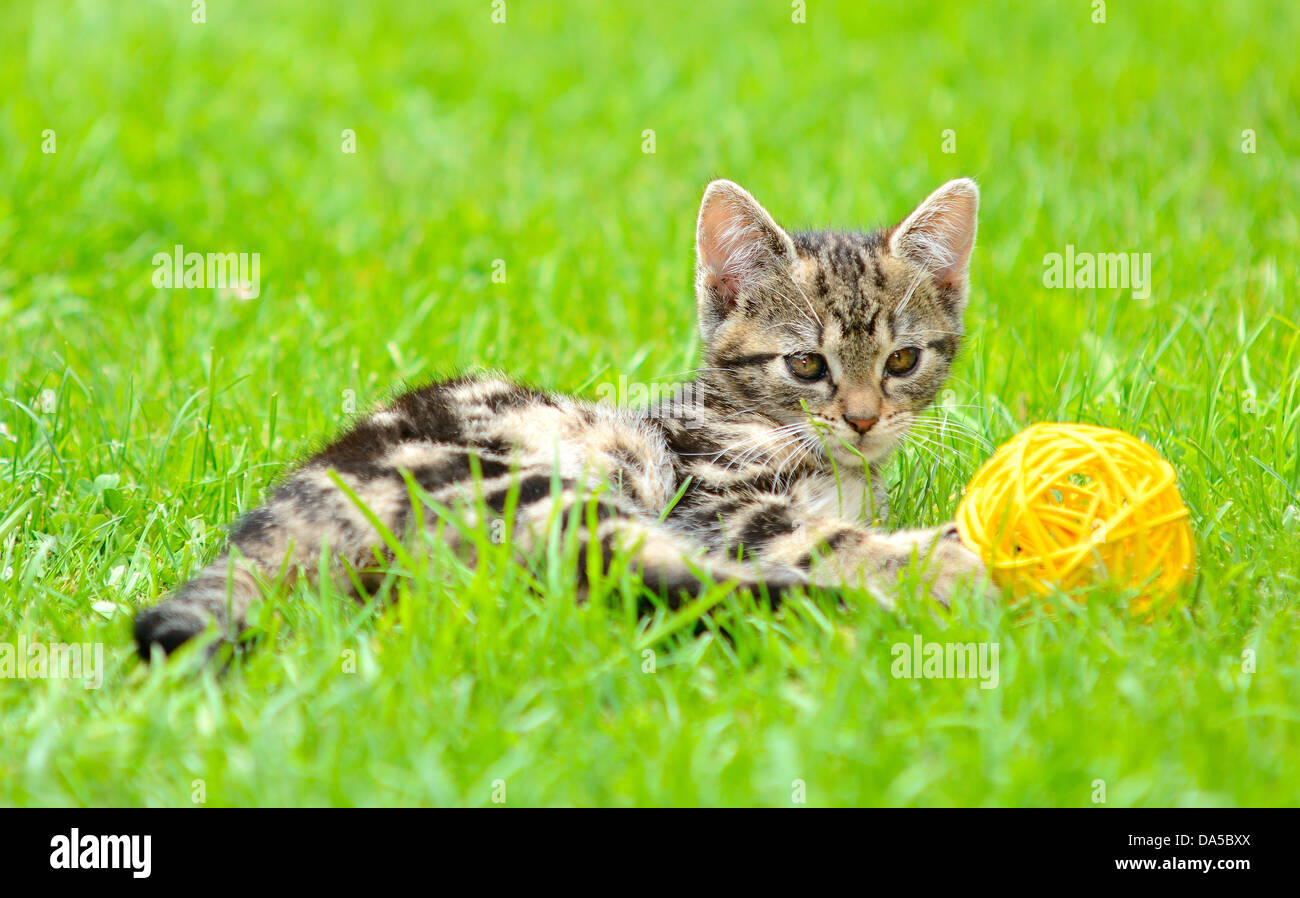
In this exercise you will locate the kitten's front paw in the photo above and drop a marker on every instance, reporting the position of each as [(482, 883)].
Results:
[(878, 563), (947, 565)]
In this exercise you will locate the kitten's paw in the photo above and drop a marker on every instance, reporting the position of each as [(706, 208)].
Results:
[(948, 565), (880, 562)]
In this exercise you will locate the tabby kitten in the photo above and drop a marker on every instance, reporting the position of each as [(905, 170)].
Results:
[(819, 351)]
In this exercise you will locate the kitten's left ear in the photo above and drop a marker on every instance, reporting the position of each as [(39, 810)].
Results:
[(940, 234)]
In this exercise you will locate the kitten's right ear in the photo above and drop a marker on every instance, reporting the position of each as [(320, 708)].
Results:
[(737, 244)]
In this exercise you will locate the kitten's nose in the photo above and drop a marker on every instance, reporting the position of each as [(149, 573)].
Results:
[(862, 425)]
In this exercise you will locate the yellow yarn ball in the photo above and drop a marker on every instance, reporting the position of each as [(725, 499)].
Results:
[(1068, 505)]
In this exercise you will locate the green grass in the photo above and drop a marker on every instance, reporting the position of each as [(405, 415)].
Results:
[(170, 411)]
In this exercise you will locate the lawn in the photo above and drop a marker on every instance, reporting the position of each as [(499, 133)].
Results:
[(428, 190)]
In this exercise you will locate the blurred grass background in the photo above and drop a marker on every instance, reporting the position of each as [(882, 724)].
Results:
[(134, 421)]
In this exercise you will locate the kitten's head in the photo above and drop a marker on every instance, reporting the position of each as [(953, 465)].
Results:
[(851, 334)]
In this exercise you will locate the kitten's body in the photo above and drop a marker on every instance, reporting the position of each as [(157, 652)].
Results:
[(774, 473)]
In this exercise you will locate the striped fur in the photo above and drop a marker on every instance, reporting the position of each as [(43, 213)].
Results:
[(777, 485)]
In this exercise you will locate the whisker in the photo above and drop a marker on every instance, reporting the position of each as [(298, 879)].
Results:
[(930, 449), (968, 440), (951, 425), (757, 438), (774, 441)]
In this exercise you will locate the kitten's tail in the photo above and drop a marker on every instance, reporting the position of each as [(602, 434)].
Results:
[(220, 594)]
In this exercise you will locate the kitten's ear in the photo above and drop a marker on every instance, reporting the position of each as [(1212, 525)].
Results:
[(737, 244), (940, 234)]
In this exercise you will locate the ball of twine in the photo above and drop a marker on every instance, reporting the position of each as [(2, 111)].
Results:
[(1068, 505)]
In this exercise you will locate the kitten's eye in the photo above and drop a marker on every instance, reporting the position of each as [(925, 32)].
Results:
[(806, 365), (902, 361)]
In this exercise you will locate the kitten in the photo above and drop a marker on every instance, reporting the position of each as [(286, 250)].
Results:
[(819, 351)]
